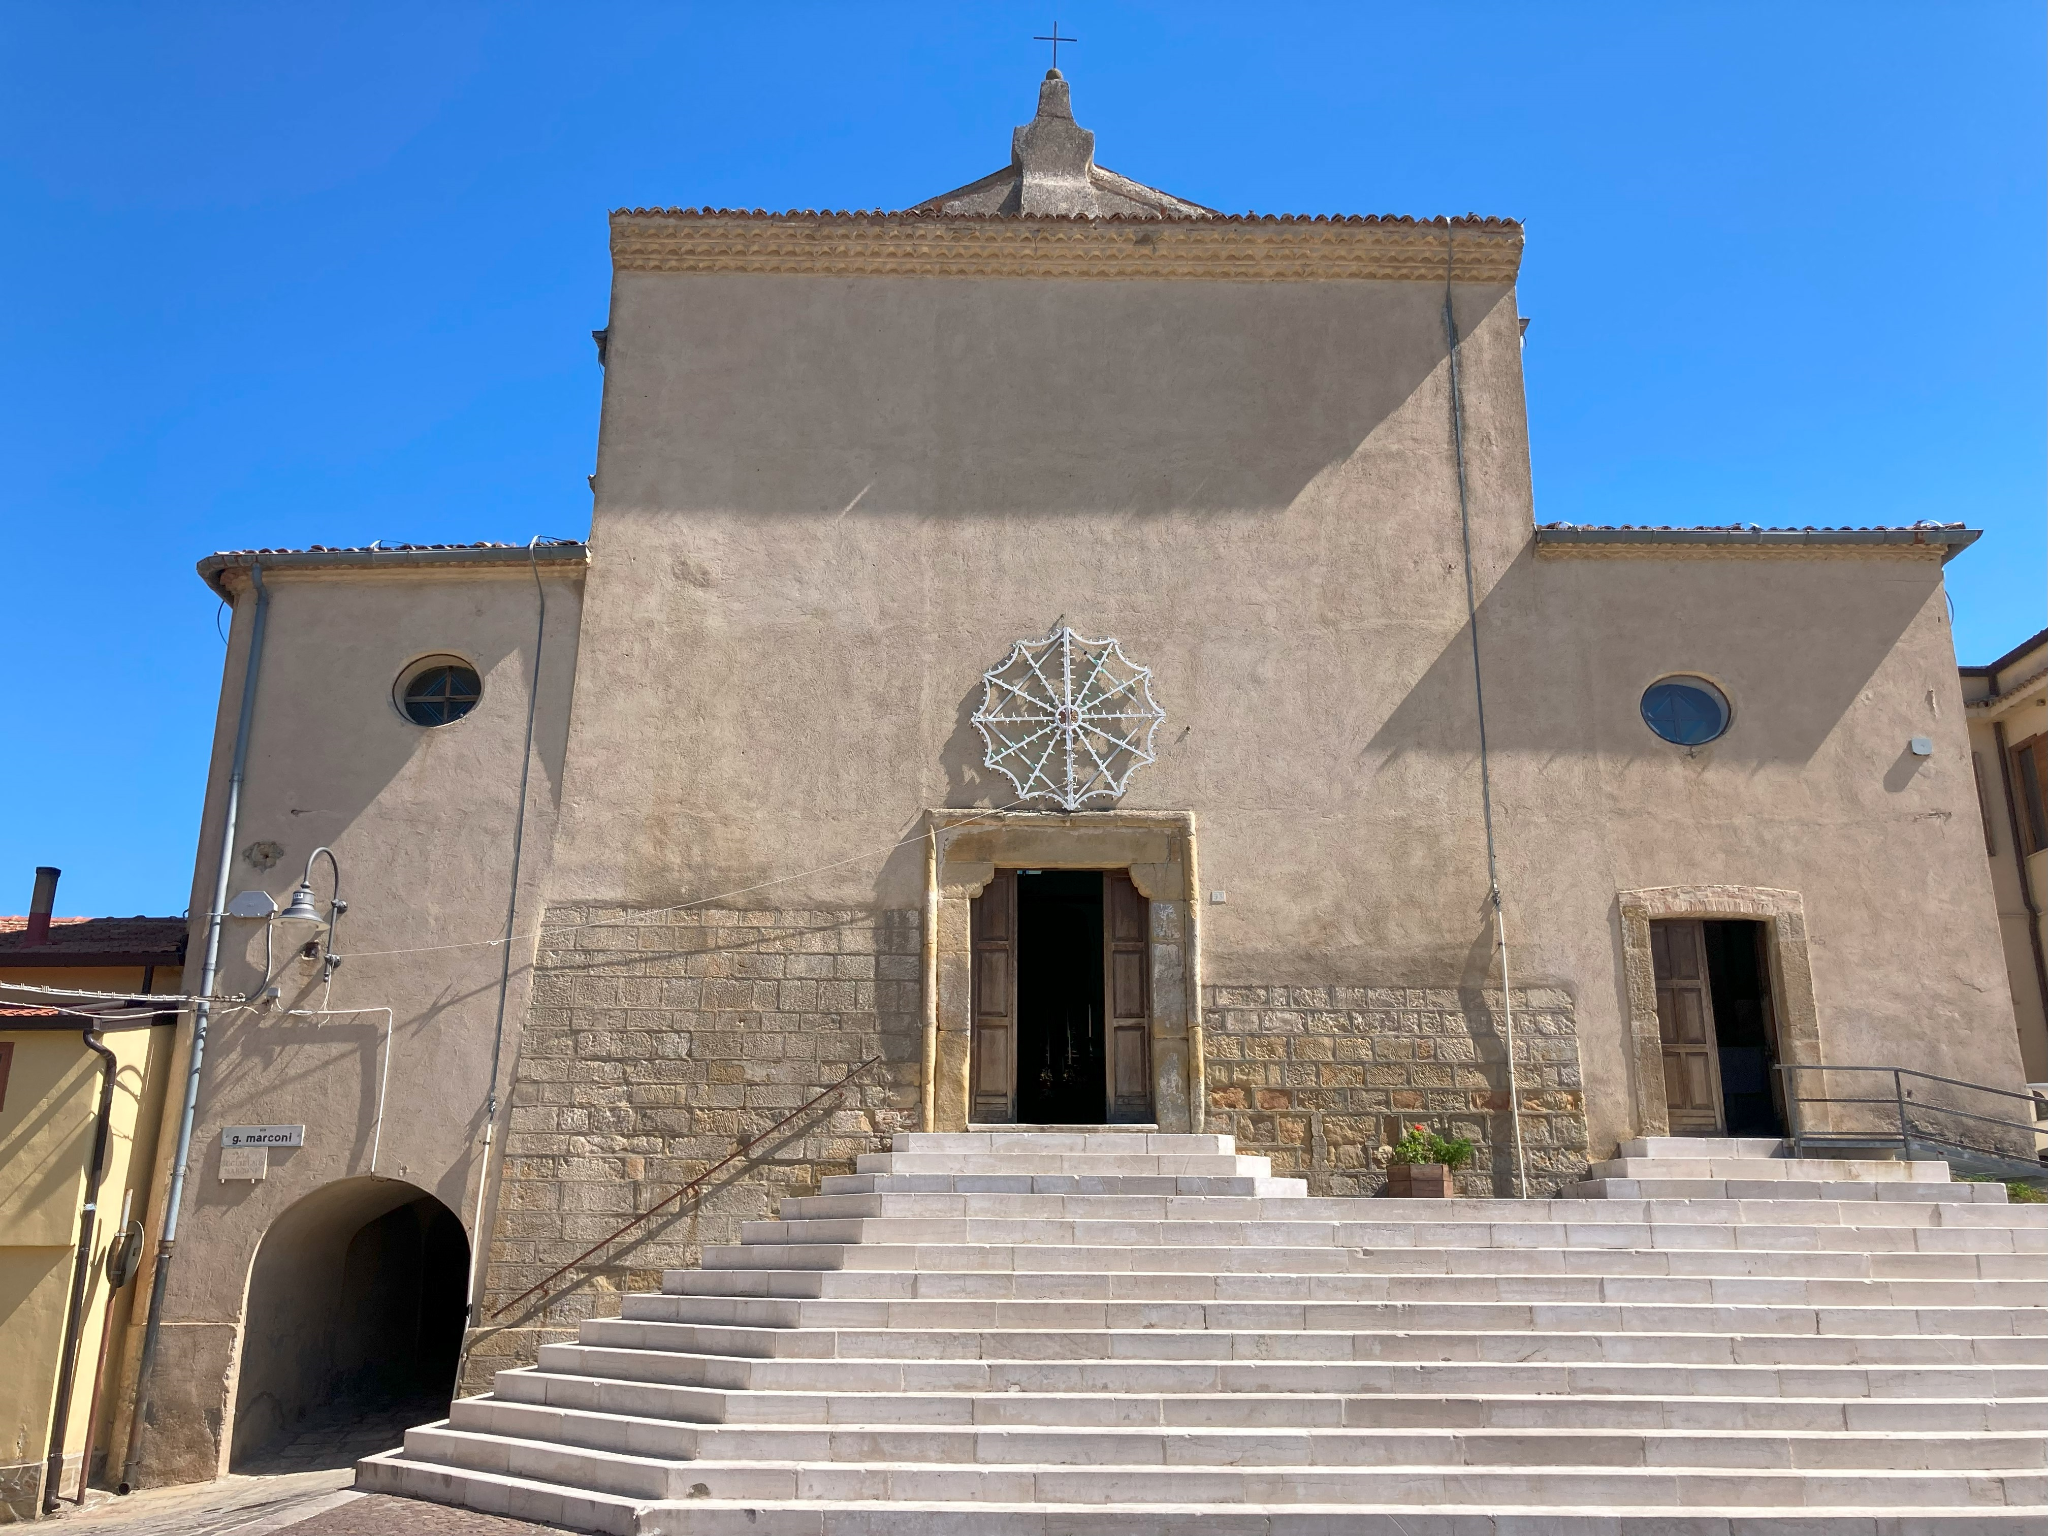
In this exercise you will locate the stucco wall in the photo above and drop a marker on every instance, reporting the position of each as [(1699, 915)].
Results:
[(826, 504), (421, 821)]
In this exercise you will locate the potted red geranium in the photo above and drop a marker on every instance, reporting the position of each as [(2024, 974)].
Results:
[(1421, 1163)]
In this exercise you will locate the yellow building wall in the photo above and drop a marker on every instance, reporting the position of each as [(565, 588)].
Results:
[(46, 1134)]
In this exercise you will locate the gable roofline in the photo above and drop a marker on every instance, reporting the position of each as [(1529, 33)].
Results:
[(1993, 668)]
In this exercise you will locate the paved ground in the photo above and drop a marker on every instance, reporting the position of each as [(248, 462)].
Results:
[(379, 1514), (241, 1505), (302, 1487)]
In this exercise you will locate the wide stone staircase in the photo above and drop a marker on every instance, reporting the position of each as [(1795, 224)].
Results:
[(1063, 1332)]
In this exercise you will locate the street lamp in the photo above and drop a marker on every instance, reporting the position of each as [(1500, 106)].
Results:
[(301, 908)]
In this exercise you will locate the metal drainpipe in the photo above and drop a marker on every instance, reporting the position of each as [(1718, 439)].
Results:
[(81, 1273), (201, 1013), (2019, 857)]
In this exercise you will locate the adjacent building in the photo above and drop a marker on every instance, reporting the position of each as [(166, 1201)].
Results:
[(2007, 706), (83, 1066)]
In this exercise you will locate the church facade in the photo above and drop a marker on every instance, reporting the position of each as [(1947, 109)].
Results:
[(1056, 654)]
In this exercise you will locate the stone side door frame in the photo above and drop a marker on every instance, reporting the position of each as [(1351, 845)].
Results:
[(1783, 914), (964, 850)]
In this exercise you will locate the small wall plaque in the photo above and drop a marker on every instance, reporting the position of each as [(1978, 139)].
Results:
[(244, 1163), (263, 1136)]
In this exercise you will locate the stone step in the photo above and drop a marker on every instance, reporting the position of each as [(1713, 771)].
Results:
[(1459, 1483), (1093, 1164), (1779, 1189), (1391, 1218), (578, 1509), (1387, 1316), (1062, 1285), (1162, 1343), (706, 1405), (1260, 1201), (1284, 1211), (1252, 1235), (1705, 1146), (530, 1499), (1454, 1377), (1081, 1331), (1972, 1258), (1061, 1184), (1037, 1140), (1265, 1446), (1813, 1169)]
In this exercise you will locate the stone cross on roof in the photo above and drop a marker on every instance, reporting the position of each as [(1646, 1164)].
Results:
[(1052, 170)]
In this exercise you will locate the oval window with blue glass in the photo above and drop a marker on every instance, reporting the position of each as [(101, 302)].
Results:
[(1685, 711)]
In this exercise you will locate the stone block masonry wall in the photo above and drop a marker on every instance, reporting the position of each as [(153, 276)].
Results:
[(1321, 1080), (657, 1046)]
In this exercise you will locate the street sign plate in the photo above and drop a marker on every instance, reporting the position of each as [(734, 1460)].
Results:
[(263, 1136)]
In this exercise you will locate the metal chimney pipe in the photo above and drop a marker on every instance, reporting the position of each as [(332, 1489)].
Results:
[(42, 904)]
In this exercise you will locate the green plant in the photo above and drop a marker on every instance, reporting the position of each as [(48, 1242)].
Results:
[(2020, 1192), (1420, 1144)]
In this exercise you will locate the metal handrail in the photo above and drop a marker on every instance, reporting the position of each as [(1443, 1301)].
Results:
[(1953, 1082), (1795, 1103), (731, 1157)]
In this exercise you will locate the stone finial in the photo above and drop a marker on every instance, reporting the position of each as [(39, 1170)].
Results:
[(1054, 154), (1052, 171)]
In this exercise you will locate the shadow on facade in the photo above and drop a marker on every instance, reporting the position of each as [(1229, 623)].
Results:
[(355, 1316)]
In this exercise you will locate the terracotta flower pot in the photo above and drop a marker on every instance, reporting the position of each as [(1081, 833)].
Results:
[(1419, 1181)]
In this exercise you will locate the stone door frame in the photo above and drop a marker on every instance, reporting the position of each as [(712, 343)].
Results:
[(963, 851), (1783, 914)]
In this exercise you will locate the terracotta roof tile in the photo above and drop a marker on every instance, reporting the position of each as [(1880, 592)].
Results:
[(95, 940)]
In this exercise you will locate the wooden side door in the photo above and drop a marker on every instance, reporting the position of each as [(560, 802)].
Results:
[(1126, 969), (1685, 1020), (994, 1055)]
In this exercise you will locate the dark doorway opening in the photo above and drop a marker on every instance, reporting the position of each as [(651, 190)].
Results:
[(1720, 1036), (1060, 1078), (357, 1304), (1745, 1033)]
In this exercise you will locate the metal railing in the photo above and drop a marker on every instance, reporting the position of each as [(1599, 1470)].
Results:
[(647, 1215), (1906, 1117)]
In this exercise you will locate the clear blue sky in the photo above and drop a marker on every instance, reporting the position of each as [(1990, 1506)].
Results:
[(285, 274)]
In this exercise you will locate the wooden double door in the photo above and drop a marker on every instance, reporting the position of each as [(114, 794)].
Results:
[(1717, 1025), (1062, 999)]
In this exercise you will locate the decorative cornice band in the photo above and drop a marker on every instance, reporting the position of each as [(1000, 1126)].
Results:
[(922, 246), (1931, 541), (1932, 552)]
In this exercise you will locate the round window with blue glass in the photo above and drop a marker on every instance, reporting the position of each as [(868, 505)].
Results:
[(437, 690), (1685, 711)]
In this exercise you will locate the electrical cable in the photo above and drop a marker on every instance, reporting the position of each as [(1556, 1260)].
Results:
[(113, 997), (483, 1177), (9, 1022), (383, 1077), (684, 906), (1500, 931)]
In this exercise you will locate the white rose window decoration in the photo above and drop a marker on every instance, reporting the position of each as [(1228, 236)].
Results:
[(1067, 719)]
